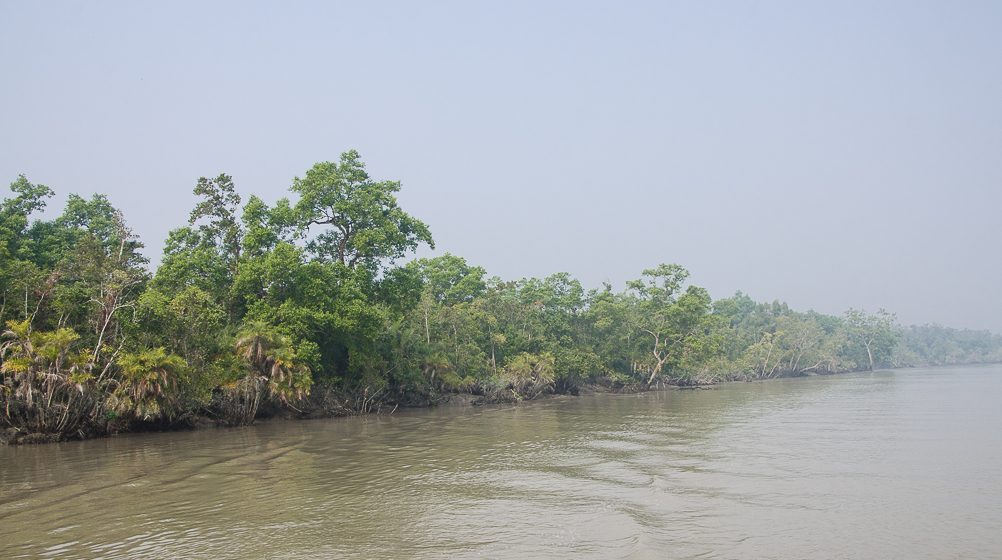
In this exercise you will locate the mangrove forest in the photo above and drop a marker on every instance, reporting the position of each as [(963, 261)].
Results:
[(314, 306)]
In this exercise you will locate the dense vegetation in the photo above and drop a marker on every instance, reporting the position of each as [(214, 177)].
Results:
[(933, 345), (301, 308)]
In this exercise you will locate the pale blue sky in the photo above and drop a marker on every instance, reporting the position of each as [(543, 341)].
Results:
[(829, 155)]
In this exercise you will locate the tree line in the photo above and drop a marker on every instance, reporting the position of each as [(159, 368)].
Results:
[(304, 308)]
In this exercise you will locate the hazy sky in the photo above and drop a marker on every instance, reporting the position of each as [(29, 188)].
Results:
[(838, 155)]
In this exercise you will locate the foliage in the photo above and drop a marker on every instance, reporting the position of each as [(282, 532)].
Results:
[(265, 366), (299, 308), (937, 345), (364, 223), (149, 382), (48, 387), (874, 332), (679, 324)]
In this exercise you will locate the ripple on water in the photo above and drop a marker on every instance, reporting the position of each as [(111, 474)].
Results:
[(907, 463)]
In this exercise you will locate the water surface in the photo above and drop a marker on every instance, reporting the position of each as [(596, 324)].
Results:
[(893, 464)]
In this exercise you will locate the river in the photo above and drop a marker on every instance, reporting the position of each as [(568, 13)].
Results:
[(891, 464)]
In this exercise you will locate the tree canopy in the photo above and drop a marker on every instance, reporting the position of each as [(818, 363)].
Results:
[(301, 308), (360, 222)]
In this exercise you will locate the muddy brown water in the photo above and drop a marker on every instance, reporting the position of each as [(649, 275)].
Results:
[(893, 464)]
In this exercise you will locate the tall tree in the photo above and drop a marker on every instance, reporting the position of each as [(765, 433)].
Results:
[(363, 223), (220, 207), (678, 324), (875, 332), (19, 273)]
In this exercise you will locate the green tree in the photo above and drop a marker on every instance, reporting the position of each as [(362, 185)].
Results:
[(149, 382), (449, 279), (875, 333), (14, 218), (189, 323), (265, 228), (220, 207), (48, 387), (363, 224), (20, 276), (106, 283), (267, 365), (678, 324)]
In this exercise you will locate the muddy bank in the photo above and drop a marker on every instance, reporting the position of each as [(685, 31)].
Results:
[(332, 402)]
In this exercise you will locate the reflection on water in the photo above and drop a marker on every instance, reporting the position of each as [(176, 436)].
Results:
[(899, 464)]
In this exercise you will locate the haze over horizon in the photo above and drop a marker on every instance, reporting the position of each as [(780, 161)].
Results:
[(826, 156)]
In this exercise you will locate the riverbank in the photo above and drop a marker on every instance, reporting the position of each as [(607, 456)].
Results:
[(330, 402), (327, 401)]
